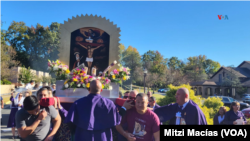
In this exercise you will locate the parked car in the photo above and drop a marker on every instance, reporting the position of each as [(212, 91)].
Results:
[(160, 90), (246, 112), (164, 90), (246, 98), (228, 100)]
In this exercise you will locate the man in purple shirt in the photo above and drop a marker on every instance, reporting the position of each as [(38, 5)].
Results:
[(142, 123), (91, 118)]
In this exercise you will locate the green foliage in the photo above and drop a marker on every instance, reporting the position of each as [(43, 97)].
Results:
[(46, 79), (1, 82), (53, 80), (5, 82), (25, 75), (208, 106), (34, 45), (241, 90), (132, 59)]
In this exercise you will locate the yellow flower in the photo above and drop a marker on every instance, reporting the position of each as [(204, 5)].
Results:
[(67, 71), (102, 86), (124, 78), (103, 78), (66, 82), (74, 79), (87, 85), (113, 76), (118, 70), (86, 77)]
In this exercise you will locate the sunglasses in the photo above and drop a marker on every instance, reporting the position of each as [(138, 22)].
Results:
[(125, 96), (20, 95), (132, 98)]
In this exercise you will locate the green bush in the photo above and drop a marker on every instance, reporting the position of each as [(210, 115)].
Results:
[(208, 106), (26, 75), (5, 82)]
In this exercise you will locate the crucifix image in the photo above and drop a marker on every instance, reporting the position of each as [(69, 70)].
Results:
[(90, 50)]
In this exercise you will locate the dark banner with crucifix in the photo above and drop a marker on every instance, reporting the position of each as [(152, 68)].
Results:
[(89, 46)]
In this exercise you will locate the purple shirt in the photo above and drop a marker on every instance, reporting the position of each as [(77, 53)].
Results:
[(143, 126), (94, 116), (230, 117)]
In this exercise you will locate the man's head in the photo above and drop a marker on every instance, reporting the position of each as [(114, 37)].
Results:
[(133, 94), (27, 93), (149, 94), (49, 89), (31, 82), (54, 86), (90, 30), (141, 102), (151, 101), (88, 46), (95, 87), (31, 105), (120, 94), (182, 96), (126, 95), (42, 93)]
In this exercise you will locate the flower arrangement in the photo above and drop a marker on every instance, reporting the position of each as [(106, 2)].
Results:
[(120, 74), (61, 70), (78, 78)]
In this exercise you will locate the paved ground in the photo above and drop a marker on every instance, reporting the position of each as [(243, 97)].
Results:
[(6, 136)]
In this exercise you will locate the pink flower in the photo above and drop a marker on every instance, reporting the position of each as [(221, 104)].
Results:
[(124, 69), (90, 76), (115, 71)]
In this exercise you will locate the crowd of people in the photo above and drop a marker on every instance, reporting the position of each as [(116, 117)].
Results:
[(95, 118)]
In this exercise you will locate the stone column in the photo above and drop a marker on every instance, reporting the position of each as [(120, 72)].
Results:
[(198, 91), (222, 91), (203, 91), (213, 91), (233, 92)]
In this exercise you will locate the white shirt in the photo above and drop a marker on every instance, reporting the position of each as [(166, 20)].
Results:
[(178, 114), (220, 118), (28, 86)]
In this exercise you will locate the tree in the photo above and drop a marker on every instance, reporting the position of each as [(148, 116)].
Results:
[(8, 55), (26, 75), (34, 45), (195, 68), (122, 49), (132, 59), (211, 66)]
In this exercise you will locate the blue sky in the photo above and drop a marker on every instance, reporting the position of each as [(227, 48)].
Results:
[(180, 29)]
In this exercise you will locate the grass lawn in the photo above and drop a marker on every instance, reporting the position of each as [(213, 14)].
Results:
[(158, 96)]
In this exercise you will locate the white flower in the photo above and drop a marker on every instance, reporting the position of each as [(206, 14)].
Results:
[(55, 68), (127, 69), (127, 77), (111, 73), (121, 68), (66, 85), (110, 87), (115, 62), (78, 85), (64, 68), (119, 65), (99, 78)]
